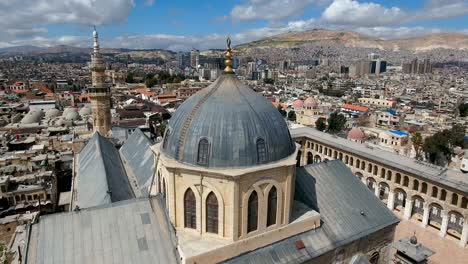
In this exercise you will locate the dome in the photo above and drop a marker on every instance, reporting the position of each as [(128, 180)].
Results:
[(51, 113), (85, 111), (33, 116), (66, 110), (414, 240), (310, 103), (72, 115), (298, 103), (231, 120), (356, 134)]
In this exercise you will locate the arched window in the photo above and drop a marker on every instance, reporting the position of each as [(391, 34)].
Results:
[(374, 259), (190, 209), (464, 203), (272, 205), (203, 151), (454, 198), (261, 150), (212, 213), (166, 138), (434, 191), (252, 212), (164, 189), (159, 182), (398, 178), (424, 187), (415, 185), (443, 194)]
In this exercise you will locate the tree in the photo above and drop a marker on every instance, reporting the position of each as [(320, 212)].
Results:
[(336, 123), (320, 124), (269, 81), (292, 116), (282, 112), (463, 108), (129, 78), (438, 148), (417, 144)]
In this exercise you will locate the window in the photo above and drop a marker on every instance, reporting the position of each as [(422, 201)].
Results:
[(252, 212), (212, 213), (272, 205), (190, 209), (203, 151), (166, 138), (261, 150)]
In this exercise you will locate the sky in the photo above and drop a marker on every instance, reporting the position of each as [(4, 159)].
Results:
[(204, 24)]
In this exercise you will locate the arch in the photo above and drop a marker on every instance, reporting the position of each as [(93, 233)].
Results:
[(212, 212), (203, 151), (435, 215), (363, 165), (389, 175), (261, 151), (359, 175), (376, 170), (369, 168), (464, 203), (190, 209), (325, 150), (298, 158), (252, 212), (346, 159), (443, 195), (358, 163), (159, 182), (424, 188), (310, 160), (374, 259), (335, 154), (320, 149), (405, 181), (272, 206), (164, 188), (351, 161), (455, 224), (454, 199), (400, 199), (418, 207), (398, 178), (415, 185), (329, 152), (166, 138), (384, 189), (382, 173), (311, 145), (371, 184), (317, 158), (434, 192)]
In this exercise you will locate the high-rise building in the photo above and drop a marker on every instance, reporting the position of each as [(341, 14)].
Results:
[(194, 58), (99, 93), (417, 67)]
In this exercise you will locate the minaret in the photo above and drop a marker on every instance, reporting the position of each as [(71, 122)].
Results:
[(99, 93)]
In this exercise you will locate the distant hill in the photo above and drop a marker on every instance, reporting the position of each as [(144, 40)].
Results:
[(456, 41)]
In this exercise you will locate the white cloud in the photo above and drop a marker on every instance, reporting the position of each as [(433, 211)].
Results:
[(29, 17), (351, 12), (271, 10)]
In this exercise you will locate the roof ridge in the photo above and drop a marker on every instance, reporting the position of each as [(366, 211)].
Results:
[(100, 139)]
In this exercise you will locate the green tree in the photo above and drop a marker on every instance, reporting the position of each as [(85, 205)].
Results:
[(336, 122), (438, 148), (320, 124), (292, 116), (463, 108), (418, 144), (282, 112), (129, 78), (269, 81)]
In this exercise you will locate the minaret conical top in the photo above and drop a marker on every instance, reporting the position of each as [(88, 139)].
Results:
[(95, 40), (228, 61)]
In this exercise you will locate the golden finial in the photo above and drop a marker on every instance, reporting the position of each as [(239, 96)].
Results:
[(228, 61)]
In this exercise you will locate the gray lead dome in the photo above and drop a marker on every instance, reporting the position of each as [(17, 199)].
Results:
[(227, 125)]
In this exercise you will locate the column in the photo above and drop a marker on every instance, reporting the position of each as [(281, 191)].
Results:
[(443, 228), (464, 235), (391, 199), (425, 220), (408, 209)]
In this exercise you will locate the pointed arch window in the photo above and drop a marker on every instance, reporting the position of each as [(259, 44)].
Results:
[(166, 138), (261, 150), (203, 151), (190, 209), (252, 212), (272, 205), (212, 213)]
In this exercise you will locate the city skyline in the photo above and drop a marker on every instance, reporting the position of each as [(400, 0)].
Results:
[(180, 25)]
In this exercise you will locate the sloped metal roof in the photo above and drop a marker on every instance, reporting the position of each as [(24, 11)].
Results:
[(231, 117), (101, 178), (340, 197), (133, 231), (139, 160)]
